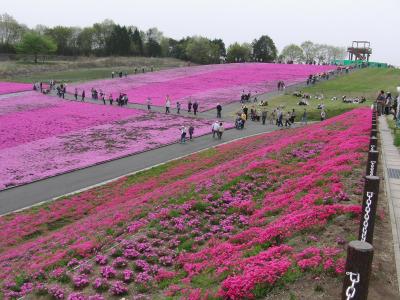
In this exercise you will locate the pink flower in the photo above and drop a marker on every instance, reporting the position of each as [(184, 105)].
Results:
[(80, 280), (100, 284), (108, 272), (76, 296), (128, 275), (120, 262), (101, 259), (118, 288)]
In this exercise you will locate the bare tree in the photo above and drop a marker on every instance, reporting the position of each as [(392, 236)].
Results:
[(292, 53), (11, 31), (309, 50)]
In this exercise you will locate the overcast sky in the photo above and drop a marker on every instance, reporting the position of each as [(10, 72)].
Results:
[(336, 22)]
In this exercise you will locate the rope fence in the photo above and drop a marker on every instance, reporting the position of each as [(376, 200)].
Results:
[(360, 253)]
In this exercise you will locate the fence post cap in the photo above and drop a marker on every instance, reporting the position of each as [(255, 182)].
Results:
[(361, 246), (369, 177)]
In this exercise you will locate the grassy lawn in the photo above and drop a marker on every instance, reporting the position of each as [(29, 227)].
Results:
[(366, 82), (72, 75), (81, 68), (395, 131)]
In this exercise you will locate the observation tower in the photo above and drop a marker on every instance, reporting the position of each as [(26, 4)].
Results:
[(360, 50)]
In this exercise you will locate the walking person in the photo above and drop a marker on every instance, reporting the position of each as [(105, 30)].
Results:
[(178, 107), (244, 119), (380, 100), (195, 107), (110, 99), (219, 110), (191, 131), (76, 94), (280, 118), (214, 128), (220, 130), (323, 115), (245, 111), (287, 120), (264, 116), (83, 96), (388, 103), (292, 116), (167, 106), (273, 117), (183, 134), (104, 99), (189, 106), (148, 104), (304, 117)]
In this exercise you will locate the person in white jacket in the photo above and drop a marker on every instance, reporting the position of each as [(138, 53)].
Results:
[(215, 128), (167, 105)]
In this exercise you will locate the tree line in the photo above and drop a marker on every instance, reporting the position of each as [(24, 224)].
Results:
[(110, 39)]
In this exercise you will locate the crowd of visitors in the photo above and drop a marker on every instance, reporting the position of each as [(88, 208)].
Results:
[(245, 97), (217, 129), (121, 74), (256, 112), (386, 104)]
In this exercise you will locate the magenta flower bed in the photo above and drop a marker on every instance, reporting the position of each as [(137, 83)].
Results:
[(206, 84), (42, 136), (14, 87), (233, 222)]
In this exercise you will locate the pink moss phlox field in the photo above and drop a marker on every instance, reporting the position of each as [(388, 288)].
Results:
[(242, 218), (207, 84), (41, 136), (14, 87)]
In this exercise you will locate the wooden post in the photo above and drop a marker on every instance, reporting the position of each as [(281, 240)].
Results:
[(372, 164), (368, 212), (357, 271), (373, 143)]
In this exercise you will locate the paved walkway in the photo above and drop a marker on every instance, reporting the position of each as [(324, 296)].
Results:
[(391, 169), (50, 188)]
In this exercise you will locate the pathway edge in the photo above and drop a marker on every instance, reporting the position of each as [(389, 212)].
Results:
[(395, 233), (125, 175)]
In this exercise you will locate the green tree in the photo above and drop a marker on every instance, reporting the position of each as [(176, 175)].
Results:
[(153, 40), (136, 43), (264, 49), (62, 36), (153, 48), (221, 47), (119, 42), (178, 49), (85, 41), (33, 43), (238, 52), (292, 53), (201, 50)]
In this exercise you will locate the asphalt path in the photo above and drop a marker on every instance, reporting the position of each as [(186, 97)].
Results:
[(47, 189)]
